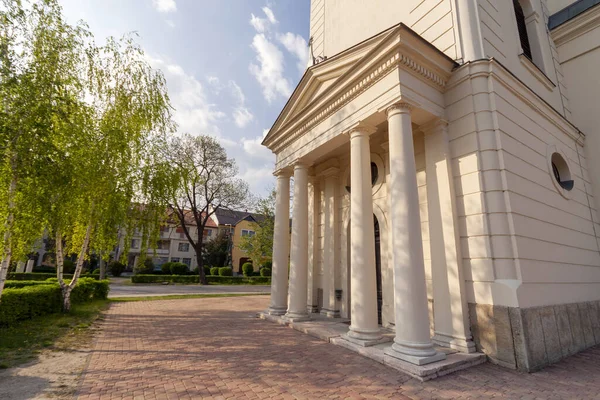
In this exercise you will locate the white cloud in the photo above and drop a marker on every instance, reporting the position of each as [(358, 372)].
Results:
[(193, 113), (296, 45), (242, 117), (263, 24), (164, 5), (255, 149), (270, 16), (269, 72), (237, 93), (260, 179)]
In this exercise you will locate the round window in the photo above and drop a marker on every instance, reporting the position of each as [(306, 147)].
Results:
[(561, 172)]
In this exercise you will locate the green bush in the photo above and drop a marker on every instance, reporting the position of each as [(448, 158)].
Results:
[(265, 271), (247, 269), (268, 264), (22, 284), (166, 268), (239, 280), (214, 271), (96, 272), (146, 268), (179, 268), (45, 268), (45, 297), (29, 302), (116, 268), (35, 276), (206, 270), (225, 271), (165, 278)]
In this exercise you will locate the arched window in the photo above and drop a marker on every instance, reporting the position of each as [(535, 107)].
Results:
[(522, 26)]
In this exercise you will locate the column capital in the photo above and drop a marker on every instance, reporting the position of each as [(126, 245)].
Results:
[(331, 172), (299, 164), (433, 126), (361, 129), (402, 107), (282, 173)]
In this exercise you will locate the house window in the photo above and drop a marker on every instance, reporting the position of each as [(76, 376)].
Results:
[(522, 26), (135, 243), (246, 232), (184, 247), (187, 261), (175, 259)]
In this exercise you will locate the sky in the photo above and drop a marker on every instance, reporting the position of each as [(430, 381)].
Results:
[(230, 65)]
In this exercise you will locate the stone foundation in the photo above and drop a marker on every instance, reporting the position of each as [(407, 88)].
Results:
[(529, 339)]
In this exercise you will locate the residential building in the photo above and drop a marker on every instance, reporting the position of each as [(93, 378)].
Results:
[(173, 244), (237, 224), (446, 178)]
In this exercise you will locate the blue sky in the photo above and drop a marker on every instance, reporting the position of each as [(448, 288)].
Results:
[(230, 65)]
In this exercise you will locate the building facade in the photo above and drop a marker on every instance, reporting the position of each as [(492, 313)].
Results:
[(444, 179), (237, 225)]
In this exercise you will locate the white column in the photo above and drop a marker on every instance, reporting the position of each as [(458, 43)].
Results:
[(412, 342), (29, 267), (363, 281), (331, 242), (281, 246), (313, 244), (299, 247), (20, 267), (451, 315), (470, 32)]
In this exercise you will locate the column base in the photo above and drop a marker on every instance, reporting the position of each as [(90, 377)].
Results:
[(330, 313), (418, 354), (277, 311), (296, 317), (312, 309), (365, 337), (461, 344)]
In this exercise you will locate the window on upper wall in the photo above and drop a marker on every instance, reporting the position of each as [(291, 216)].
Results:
[(531, 30), (522, 26)]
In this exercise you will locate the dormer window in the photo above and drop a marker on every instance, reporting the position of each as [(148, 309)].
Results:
[(522, 26)]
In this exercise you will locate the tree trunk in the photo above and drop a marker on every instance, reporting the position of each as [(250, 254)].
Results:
[(198, 249), (12, 188), (66, 289), (102, 269)]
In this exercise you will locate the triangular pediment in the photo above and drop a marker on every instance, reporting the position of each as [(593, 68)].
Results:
[(329, 83)]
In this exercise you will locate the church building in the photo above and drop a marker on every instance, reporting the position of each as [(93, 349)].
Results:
[(446, 178)]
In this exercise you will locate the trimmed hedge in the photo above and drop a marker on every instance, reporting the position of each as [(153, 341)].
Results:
[(166, 268), (38, 276), (223, 280), (22, 284), (116, 268), (214, 271), (206, 270), (225, 271), (42, 298), (264, 272), (247, 269), (179, 268)]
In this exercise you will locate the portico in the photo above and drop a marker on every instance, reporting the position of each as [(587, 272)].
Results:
[(365, 134)]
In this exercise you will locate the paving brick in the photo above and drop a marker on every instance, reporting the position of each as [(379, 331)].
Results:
[(216, 349)]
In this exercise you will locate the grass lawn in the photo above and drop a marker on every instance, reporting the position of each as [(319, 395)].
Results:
[(21, 343)]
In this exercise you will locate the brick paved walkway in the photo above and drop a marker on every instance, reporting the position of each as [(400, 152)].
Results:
[(215, 348)]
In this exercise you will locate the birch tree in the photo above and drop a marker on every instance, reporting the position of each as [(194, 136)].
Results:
[(204, 181)]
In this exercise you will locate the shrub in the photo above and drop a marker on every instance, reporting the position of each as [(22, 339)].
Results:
[(166, 268), (116, 268), (268, 264), (35, 276), (35, 298), (206, 270), (265, 272), (165, 278), (146, 268), (96, 272), (44, 268), (239, 280), (29, 302), (179, 269), (22, 284), (225, 271), (214, 271), (247, 269)]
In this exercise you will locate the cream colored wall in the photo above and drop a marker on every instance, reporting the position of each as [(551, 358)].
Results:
[(578, 52), (339, 24), (236, 252), (555, 6), (523, 243), (501, 41)]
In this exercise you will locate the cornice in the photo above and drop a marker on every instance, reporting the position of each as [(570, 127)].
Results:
[(577, 26), (401, 52)]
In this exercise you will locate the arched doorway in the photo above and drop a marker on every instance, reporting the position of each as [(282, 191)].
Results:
[(377, 238)]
